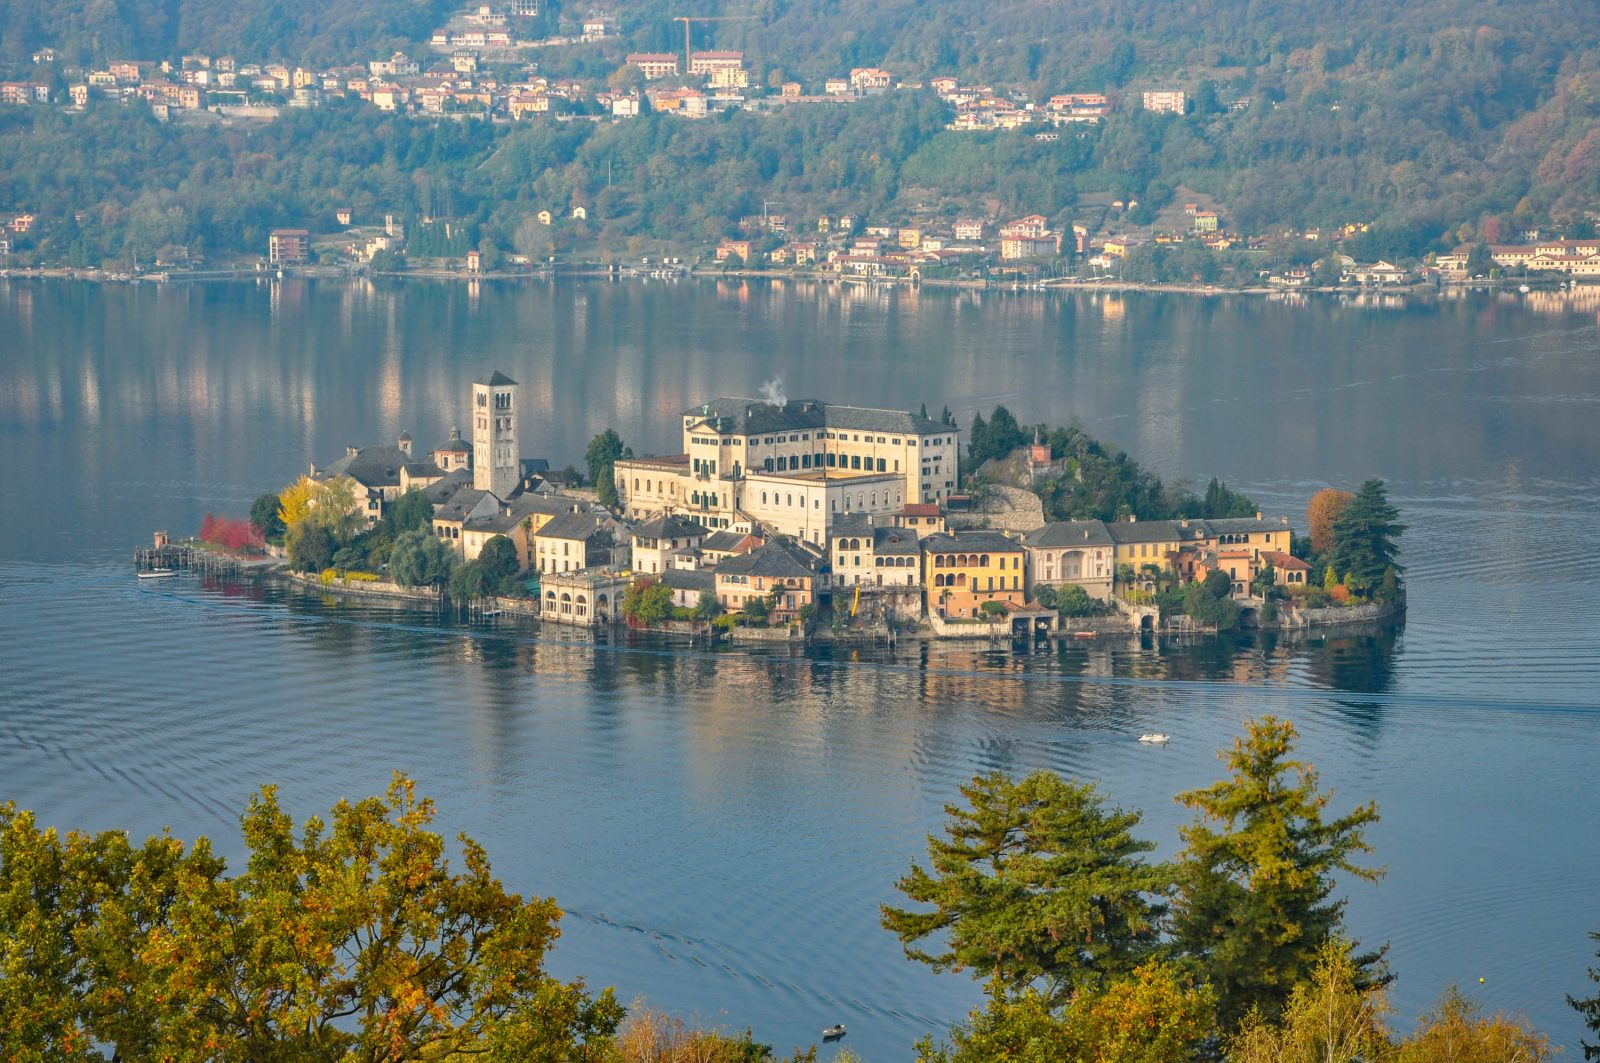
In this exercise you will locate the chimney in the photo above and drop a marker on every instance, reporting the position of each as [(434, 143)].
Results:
[(1184, 523), (349, 452), (1258, 514)]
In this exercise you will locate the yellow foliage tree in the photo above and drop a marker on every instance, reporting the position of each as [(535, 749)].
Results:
[(1329, 1019), (1153, 1015), (294, 502), (1455, 1032)]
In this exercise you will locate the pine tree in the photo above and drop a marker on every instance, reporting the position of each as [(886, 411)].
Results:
[(1364, 536), (1256, 878), (1037, 881), (1589, 1008)]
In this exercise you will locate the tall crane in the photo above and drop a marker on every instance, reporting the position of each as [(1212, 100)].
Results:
[(686, 19)]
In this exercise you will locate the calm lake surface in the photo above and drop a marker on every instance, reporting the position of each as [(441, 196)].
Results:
[(721, 827)]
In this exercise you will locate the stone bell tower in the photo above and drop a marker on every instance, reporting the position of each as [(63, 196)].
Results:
[(496, 463)]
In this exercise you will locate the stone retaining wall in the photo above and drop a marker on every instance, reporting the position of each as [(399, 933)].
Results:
[(1372, 612)]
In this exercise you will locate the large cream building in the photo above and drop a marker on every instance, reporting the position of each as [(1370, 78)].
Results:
[(792, 466)]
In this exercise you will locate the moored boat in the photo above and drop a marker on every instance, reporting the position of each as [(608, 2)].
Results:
[(1155, 738)]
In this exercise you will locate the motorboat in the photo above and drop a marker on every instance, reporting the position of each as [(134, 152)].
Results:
[(834, 1032), (158, 573), (1155, 738)]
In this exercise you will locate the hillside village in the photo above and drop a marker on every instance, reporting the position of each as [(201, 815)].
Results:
[(483, 67), (780, 512)]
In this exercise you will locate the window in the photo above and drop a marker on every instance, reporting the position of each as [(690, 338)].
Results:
[(882, 465)]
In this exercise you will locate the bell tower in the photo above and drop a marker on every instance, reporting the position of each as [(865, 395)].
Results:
[(496, 463)]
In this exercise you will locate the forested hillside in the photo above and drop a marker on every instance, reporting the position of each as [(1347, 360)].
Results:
[(1439, 121), (311, 31)]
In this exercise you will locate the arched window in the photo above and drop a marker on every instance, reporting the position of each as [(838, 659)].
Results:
[(882, 466), (984, 560), (961, 579), (636, 483)]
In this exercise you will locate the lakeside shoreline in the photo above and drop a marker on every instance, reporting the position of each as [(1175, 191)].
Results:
[(1112, 626), (597, 271)]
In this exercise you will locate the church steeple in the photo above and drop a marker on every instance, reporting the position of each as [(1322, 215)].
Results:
[(495, 459)]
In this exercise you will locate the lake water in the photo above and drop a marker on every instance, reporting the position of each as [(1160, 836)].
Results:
[(720, 827)]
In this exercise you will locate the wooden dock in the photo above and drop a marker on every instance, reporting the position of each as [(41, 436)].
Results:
[(187, 557)]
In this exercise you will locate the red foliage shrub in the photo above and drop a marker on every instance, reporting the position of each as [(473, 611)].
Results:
[(232, 534)]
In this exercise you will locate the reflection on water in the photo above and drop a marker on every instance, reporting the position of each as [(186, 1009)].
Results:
[(715, 823)]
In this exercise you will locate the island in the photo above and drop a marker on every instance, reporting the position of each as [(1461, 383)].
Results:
[(788, 519)]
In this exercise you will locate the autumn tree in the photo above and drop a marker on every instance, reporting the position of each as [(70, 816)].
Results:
[(1332, 1016), (319, 517), (353, 938), (294, 502), (646, 602), (1154, 1014), (1455, 1030), (1255, 902), (1036, 885), (1324, 509)]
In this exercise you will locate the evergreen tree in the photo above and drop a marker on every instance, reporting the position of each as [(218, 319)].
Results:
[(1364, 535), (601, 456), (264, 515), (1589, 1008), (1256, 878), (1036, 884)]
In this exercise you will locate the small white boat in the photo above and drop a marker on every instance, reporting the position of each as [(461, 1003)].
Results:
[(158, 573), (834, 1032), (1155, 738), (1523, 288)]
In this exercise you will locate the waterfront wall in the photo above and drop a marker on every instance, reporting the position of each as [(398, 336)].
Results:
[(1373, 612), (371, 589)]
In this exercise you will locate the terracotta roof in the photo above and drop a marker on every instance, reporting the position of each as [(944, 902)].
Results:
[(1287, 562)]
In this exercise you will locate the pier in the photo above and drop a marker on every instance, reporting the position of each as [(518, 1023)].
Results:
[(187, 556)]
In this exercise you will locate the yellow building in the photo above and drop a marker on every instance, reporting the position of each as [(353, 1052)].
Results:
[(963, 570), (1150, 542), (1256, 534)]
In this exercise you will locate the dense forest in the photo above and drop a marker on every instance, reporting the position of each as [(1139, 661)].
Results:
[(1440, 122)]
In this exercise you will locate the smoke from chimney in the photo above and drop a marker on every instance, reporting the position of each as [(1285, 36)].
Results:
[(772, 392)]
